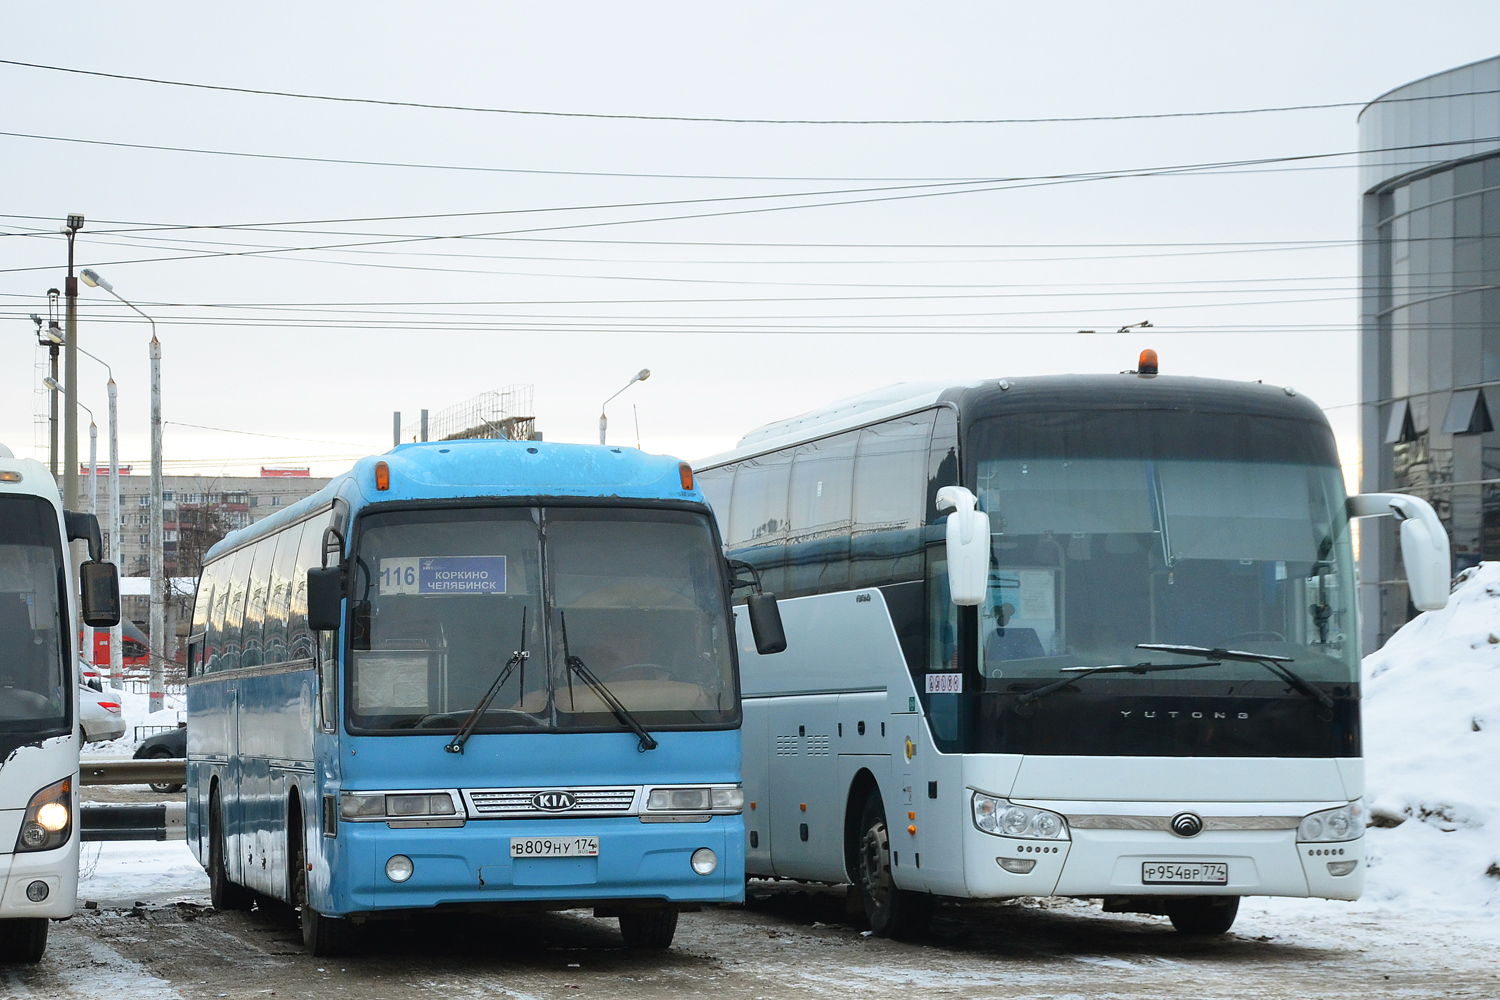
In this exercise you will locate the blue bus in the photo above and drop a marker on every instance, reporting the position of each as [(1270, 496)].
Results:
[(472, 675)]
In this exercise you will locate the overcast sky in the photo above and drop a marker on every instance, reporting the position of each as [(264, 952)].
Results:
[(745, 317)]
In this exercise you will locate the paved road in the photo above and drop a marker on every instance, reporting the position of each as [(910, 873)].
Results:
[(787, 942)]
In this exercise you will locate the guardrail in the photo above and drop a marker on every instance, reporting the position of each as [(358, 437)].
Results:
[(154, 771), (100, 821)]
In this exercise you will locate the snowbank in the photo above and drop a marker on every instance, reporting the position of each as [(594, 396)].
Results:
[(1432, 754), (137, 711)]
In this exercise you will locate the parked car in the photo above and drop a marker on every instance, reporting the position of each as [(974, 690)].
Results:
[(99, 714), (164, 746)]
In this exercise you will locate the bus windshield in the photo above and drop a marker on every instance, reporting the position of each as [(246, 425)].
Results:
[(441, 596), (1114, 528), (34, 692)]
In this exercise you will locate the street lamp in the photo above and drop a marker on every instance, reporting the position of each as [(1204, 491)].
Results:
[(70, 419), (158, 543), (640, 376)]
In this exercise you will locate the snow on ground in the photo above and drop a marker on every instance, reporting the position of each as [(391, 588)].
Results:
[(120, 873), (136, 707)]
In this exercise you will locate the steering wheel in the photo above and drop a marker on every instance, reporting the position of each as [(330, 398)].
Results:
[(642, 672)]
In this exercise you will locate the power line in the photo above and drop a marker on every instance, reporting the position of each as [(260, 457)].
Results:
[(279, 437), (725, 120)]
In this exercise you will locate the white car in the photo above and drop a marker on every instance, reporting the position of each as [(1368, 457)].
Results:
[(99, 714)]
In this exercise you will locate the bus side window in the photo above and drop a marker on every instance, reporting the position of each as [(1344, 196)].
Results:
[(717, 485), (942, 459), (252, 633), (309, 555), (819, 509), (889, 476), (234, 614), (203, 600), (273, 646), (215, 583), (757, 518)]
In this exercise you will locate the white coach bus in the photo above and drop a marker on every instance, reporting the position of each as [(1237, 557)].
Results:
[(1084, 636), (39, 727)]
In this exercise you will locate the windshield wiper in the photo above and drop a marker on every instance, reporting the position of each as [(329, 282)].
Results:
[(517, 659), (577, 666), (1275, 664), (1112, 668)]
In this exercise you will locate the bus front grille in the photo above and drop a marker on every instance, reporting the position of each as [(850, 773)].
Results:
[(508, 803)]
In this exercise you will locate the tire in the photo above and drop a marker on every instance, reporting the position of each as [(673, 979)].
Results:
[(224, 894), (648, 928), (326, 937), (23, 939), (163, 788), (892, 912), (1203, 915)]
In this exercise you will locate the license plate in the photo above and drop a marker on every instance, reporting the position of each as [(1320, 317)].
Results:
[(1179, 873), (554, 847)]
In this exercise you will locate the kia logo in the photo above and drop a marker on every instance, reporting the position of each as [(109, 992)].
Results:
[(554, 801), (1187, 824)]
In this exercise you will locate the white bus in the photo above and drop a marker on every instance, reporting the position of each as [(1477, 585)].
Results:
[(39, 728), (1086, 636)]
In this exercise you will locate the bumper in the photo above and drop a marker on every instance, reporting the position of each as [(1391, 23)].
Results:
[(1108, 863), (57, 868), (471, 865)]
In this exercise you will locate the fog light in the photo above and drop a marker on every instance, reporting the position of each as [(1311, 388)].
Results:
[(399, 868), (33, 835), (1020, 866), (1342, 867), (37, 891), (705, 861)]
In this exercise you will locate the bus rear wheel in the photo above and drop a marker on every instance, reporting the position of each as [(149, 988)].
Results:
[(648, 928), (23, 939), (224, 894), (892, 912), (1203, 915)]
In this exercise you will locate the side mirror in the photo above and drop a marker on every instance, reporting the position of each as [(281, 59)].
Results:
[(101, 594), (968, 546), (325, 594), (1424, 544), (765, 624)]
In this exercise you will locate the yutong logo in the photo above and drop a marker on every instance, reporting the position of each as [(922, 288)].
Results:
[(1187, 824), (554, 801), (1190, 715)]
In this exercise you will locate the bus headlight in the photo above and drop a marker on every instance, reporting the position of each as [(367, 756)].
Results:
[(1005, 819), (722, 799), (365, 806), (48, 820), (729, 798), (361, 805), (425, 804), (1344, 823)]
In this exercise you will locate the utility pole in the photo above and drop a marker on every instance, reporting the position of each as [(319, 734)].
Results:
[(158, 514), (116, 634), (424, 425), (53, 341), (70, 376), (92, 634), (396, 428)]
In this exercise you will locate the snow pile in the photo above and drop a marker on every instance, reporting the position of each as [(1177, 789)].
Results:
[(137, 711), (1432, 754), (118, 873)]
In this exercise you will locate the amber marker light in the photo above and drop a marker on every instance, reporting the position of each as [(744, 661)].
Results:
[(685, 473), (382, 476), (1147, 364)]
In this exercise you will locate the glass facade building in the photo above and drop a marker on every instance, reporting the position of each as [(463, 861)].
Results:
[(1430, 322)]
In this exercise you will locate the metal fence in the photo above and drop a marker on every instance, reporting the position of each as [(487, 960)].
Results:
[(504, 414)]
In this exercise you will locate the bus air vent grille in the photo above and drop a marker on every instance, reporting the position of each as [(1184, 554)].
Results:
[(501, 803), (818, 746), (786, 746)]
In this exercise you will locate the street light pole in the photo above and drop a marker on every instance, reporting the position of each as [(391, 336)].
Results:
[(116, 632), (158, 514), (640, 376), (70, 375)]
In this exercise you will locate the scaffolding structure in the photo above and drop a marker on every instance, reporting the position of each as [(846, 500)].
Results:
[(500, 414)]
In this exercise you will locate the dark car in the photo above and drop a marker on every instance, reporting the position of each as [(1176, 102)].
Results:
[(163, 746)]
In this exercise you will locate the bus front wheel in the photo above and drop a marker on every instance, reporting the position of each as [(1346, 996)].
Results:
[(327, 936), (1203, 915), (648, 928), (224, 894), (892, 912), (23, 939)]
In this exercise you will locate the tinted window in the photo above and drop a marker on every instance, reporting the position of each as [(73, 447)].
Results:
[(274, 643), (35, 693), (257, 594), (942, 459), (758, 517), (213, 587), (819, 509), (234, 612), (309, 556), (890, 473)]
